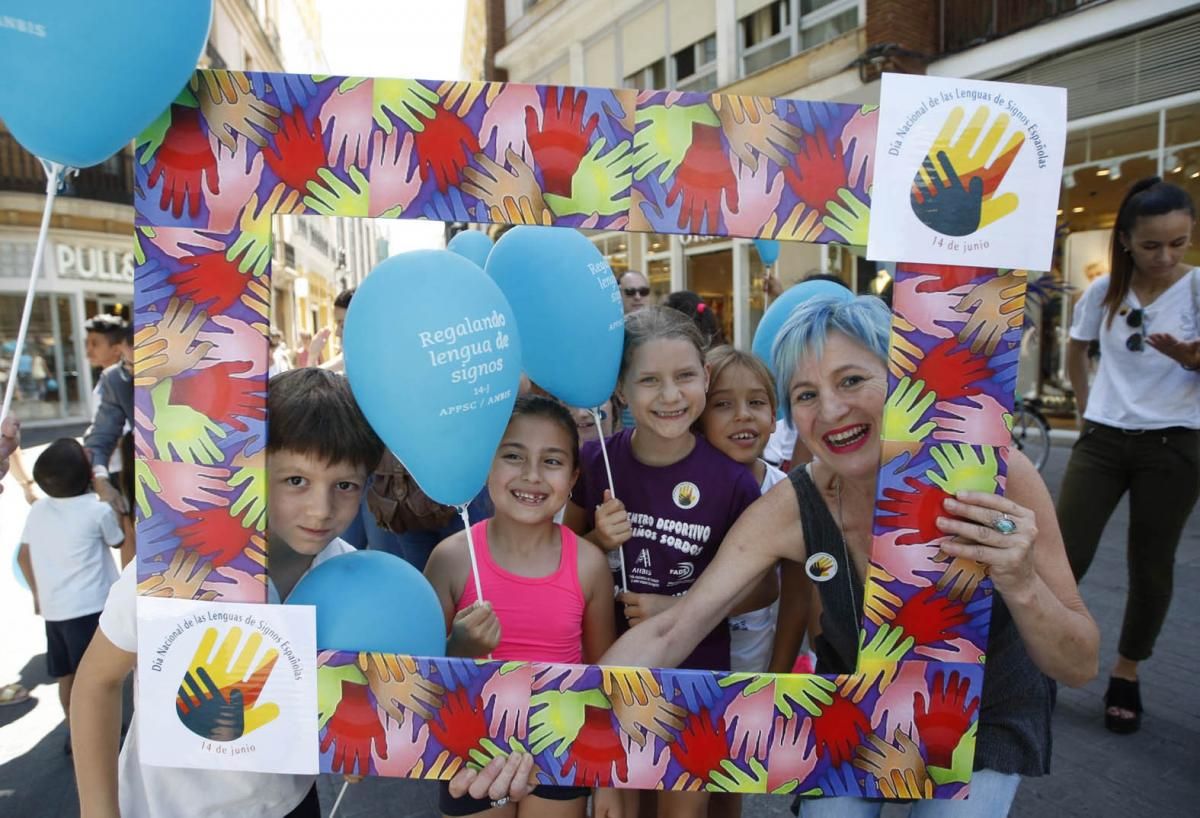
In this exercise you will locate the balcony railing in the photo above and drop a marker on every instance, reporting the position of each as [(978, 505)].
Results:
[(110, 181), (968, 23)]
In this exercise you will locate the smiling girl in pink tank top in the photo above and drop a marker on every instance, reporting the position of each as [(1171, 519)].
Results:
[(547, 594)]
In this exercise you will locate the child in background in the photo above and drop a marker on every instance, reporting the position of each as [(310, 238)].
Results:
[(738, 420), (548, 594), (678, 494), (586, 422), (65, 557), (320, 451)]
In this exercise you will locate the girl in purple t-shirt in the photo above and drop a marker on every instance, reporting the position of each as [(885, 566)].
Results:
[(678, 494)]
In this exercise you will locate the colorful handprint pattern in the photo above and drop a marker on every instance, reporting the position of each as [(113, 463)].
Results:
[(234, 149), (909, 735)]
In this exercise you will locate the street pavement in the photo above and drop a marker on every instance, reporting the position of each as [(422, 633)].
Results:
[(1094, 773)]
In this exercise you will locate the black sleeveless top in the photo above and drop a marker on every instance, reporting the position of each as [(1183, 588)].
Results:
[(1017, 700)]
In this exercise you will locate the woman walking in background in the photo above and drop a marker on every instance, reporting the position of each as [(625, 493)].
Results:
[(1141, 418)]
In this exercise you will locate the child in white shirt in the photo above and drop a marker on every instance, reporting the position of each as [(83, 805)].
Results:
[(66, 558), (320, 451)]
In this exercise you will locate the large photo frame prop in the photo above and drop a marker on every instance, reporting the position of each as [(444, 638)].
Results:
[(237, 148)]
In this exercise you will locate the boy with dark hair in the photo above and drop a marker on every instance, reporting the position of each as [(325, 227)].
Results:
[(103, 342), (113, 400), (320, 451), (65, 557)]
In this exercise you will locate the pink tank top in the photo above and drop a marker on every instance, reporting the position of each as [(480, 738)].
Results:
[(541, 618)]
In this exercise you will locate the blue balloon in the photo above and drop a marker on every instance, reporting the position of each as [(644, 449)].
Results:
[(373, 601), (768, 250), (16, 566), (86, 78), (472, 245), (779, 311), (434, 359), (568, 307)]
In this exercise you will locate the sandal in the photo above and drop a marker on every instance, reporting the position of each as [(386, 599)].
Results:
[(13, 694), (1122, 694)]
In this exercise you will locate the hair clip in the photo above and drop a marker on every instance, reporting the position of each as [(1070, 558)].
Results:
[(700, 307)]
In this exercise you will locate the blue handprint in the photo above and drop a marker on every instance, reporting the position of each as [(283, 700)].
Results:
[(1005, 364), (292, 90), (605, 103), (697, 689), (452, 207), (455, 674), (841, 781), (156, 535), (248, 443), (979, 613), (826, 116), (152, 289), (662, 217)]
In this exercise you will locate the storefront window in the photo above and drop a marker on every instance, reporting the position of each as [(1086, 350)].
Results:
[(47, 370), (710, 276)]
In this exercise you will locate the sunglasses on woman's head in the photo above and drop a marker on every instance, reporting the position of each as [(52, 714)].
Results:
[(632, 291), (1137, 341)]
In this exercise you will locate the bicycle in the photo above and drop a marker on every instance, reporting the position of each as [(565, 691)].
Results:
[(1031, 431)]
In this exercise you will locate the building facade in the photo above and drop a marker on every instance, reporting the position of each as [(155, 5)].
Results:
[(1131, 69)]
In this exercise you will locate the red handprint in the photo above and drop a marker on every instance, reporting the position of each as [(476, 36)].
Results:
[(818, 172), (917, 510), (952, 373), (949, 277), (215, 535), (351, 731), (839, 729), (560, 142), (702, 745), (183, 161), (298, 152), (220, 394), (211, 280), (461, 724), (596, 752), (444, 148), (929, 618), (942, 720), (704, 175)]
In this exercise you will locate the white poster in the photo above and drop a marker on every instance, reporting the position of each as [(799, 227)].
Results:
[(227, 686), (967, 172)]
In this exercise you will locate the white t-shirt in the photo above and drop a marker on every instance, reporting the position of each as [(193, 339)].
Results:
[(146, 791), (1141, 390), (752, 634), (781, 444), (70, 541)]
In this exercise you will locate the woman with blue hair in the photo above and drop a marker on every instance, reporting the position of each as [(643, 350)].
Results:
[(831, 359)]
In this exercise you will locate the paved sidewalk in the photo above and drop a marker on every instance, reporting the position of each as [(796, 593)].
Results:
[(1153, 773)]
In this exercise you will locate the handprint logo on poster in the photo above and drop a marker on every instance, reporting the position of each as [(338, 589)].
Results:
[(218, 695), (954, 190)]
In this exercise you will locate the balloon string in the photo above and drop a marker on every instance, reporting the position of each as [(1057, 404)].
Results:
[(608, 471), (462, 512), (55, 173), (338, 802)]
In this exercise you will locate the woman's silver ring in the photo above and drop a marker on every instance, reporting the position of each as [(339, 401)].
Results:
[(500, 802), (1005, 525)]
